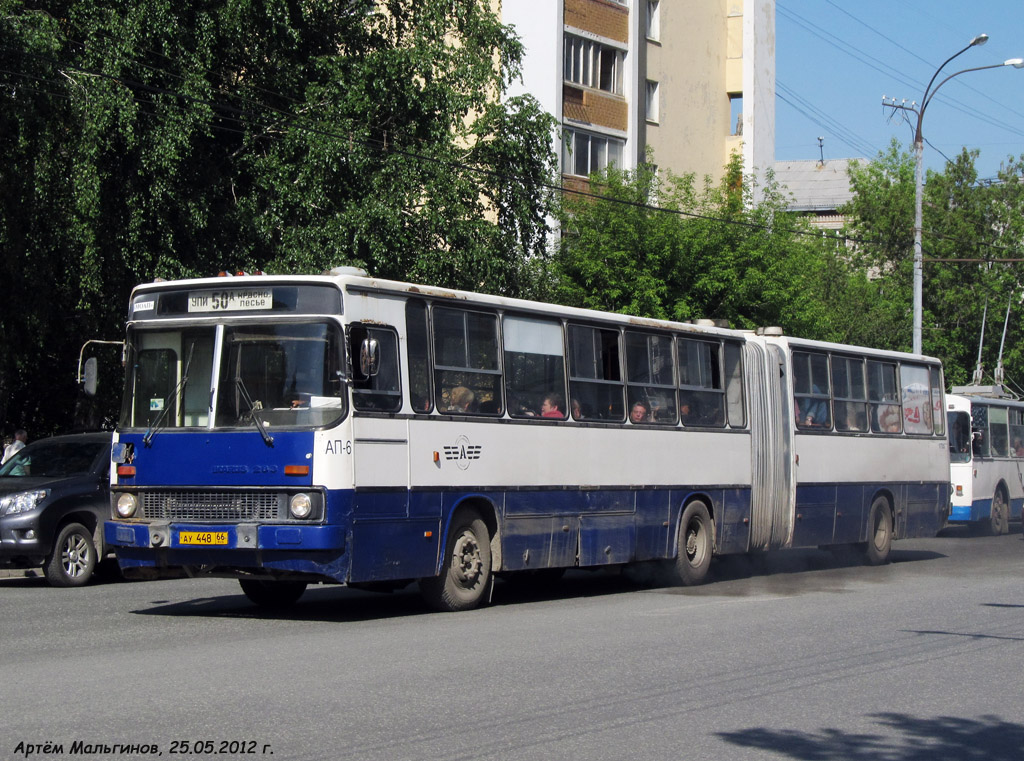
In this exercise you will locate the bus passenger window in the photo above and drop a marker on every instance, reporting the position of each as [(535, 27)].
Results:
[(534, 368), (418, 346), (467, 373), (649, 374), (916, 399), (381, 391), (883, 403), (979, 427), (937, 400), (595, 375), (849, 393), (811, 390), (701, 393), (734, 385)]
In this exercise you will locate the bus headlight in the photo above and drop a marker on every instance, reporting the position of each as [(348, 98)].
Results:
[(300, 505), (127, 504)]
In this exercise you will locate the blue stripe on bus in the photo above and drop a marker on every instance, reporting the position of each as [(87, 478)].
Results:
[(399, 534)]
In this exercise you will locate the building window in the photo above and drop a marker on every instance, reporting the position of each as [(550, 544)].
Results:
[(736, 113), (653, 20), (652, 110), (592, 64), (584, 153)]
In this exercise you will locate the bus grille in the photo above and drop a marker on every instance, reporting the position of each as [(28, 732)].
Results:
[(213, 505)]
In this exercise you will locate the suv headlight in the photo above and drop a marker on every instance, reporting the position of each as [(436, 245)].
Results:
[(22, 501)]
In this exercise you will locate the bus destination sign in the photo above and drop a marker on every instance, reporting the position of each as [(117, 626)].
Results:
[(232, 300)]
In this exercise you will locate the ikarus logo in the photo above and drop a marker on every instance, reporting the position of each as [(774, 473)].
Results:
[(462, 452)]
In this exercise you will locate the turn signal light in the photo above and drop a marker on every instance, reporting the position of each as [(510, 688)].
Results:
[(296, 470), (126, 471)]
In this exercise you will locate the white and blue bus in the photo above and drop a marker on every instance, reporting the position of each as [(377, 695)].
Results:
[(288, 430), (986, 458)]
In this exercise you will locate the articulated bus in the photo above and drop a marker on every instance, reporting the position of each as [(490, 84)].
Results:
[(344, 429), (986, 458)]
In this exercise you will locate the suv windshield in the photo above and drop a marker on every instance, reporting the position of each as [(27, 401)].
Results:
[(53, 459), (283, 375)]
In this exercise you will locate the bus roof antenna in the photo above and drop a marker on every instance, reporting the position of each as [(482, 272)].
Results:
[(978, 374)]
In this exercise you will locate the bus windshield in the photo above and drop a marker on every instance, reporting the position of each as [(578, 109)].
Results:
[(273, 375), (959, 436)]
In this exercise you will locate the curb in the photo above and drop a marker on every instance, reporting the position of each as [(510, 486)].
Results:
[(20, 573)]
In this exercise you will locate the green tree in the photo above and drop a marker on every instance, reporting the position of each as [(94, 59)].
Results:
[(977, 223), (165, 139), (708, 252)]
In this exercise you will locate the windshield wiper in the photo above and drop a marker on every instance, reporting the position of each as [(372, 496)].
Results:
[(254, 408), (180, 388)]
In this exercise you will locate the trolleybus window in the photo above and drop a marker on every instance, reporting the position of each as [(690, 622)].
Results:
[(280, 375), (883, 407), (979, 425), (811, 386), (467, 377), (379, 389), (997, 431), (959, 437), (534, 367), (595, 376), (1016, 432), (701, 393), (650, 376), (938, 419), (850, 393)]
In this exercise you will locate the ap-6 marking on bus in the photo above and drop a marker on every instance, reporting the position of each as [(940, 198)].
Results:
[(337, 446)]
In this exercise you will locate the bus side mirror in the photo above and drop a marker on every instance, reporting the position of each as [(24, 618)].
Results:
[(89, 386), (369, 358)]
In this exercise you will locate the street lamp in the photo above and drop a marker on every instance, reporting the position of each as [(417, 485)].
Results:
[(929, 93)]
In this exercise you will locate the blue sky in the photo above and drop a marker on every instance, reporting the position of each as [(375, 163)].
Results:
[(835, 60)]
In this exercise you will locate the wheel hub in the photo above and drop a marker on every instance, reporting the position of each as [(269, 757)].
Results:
[(468, 563)]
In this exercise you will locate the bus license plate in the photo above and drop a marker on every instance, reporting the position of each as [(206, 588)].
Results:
[(203, 538)]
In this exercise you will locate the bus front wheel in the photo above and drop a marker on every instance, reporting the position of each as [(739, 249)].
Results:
[(272, 594), (466, 570), (879, 532), (696, 546)]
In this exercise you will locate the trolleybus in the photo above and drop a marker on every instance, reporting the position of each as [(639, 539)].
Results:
[(289, 430), (986, 458)]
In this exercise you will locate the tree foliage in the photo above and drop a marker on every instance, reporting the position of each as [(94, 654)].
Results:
[(167, 139), (667, 248), (962, 219)]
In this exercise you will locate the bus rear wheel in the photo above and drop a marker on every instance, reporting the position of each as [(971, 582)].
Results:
[(999, 519), (696, 546), (272, 594), (879, 532), (466, 570)]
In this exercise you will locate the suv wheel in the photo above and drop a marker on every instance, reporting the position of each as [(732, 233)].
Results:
[(73, 558)]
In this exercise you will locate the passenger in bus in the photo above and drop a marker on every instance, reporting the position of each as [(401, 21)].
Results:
[(552, 406), (640, 412), (1018, 447), (577, 409), (814, 412), (460, 399)]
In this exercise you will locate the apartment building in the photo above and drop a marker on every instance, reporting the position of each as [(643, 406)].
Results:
[(694, 80)]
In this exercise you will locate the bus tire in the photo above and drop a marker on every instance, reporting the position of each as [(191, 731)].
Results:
[(466, 571), (879, 541), (73, 558), (999, 518), (274, 595), (696, 546)]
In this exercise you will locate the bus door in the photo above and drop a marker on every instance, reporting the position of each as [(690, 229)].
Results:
[(773, 487)]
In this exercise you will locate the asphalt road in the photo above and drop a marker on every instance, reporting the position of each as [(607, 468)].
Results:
[(797, 655)]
